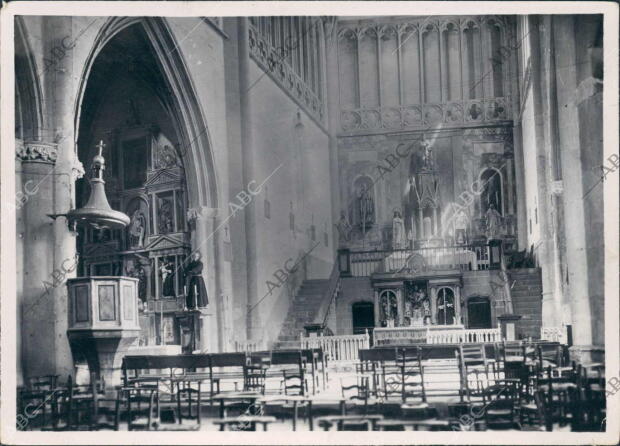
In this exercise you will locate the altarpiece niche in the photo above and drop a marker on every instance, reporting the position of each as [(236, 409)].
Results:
[(146, 180)]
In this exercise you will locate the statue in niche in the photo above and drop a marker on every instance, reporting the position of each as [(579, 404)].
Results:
[(137, 271), (366, 208), (195, 289), (166, 273), (426, 310), (137, 228), (493, 222), (427, 155), (344, 228), (164, 216), (389, 309), (460, 228), (417, 299), (398, 231), (165, 157)]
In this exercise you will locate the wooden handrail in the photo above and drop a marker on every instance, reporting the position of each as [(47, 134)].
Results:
[(333, 286)]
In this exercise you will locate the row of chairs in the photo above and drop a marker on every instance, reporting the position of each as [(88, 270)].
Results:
[(70, 406)]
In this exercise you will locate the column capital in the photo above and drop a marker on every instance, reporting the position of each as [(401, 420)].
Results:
[(36, 151)]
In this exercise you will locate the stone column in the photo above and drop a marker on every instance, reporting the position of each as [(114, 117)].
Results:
[(329, 47), (253, 325), (17, 204), (573, 136), (40, 278)]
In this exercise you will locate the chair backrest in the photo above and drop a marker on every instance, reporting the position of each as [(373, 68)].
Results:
[(43, 383), (549, 354), (135, 398), (359, 391), (513, 350), (293, 383), (473, 354)]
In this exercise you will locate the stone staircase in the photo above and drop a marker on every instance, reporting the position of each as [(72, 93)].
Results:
[(301, 312), (527, 299)]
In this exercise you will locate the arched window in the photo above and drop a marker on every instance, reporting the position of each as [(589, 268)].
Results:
[(445, 306)]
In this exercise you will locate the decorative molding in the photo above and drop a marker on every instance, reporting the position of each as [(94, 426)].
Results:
[(271, 61), (77, 170), (38, 151), (427, 116), (556, 187)]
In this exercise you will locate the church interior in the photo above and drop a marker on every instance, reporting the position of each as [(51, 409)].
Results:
[(310, 222)]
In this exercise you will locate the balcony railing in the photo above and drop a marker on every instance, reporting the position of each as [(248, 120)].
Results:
[(434, 334), (462, 258), (339, 348)]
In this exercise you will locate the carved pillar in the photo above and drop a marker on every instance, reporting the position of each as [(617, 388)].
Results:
[(400, 306), (457, 305), (377, 309), (434, 304)]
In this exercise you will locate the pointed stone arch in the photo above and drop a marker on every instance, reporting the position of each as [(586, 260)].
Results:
[(186, 113), (28, 105)]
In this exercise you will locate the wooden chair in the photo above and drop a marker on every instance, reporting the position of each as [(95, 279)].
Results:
[(591, 405), (501, 404), (141, 407), (188, 396), (39, 398), (255, 372), (558, 398), (357, 397), (294, 383)]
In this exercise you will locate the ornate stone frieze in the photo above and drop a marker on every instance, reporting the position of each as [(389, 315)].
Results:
[(37, 151), (426, 116), (271, 60)]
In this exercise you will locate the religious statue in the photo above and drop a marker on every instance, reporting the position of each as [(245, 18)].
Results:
[(166, 272), (417, 299), (195, 289), (426, 307), (165, 157), (366, 208), (398, 232), (427, 156), (136, 229), (393, 308), (389, 309), (493, 222), (137, 271), (344, 228), (460, 228), (164, 216)]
